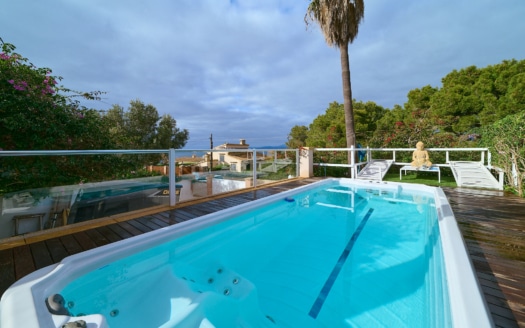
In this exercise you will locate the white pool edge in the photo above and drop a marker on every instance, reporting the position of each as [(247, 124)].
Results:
[(467, 303), (468, 307)]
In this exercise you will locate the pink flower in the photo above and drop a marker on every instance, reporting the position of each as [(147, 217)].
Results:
[(20, 86)]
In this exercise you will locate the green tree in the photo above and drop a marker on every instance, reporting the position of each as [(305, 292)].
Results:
[(457, 102), (506, 141), (473, 97), (328, 130), (115, 121), (420, 98), (169, 135), (339, 21), (366, 117), (514, 99), (38, 114), (141, 125), (297, 137), (393, 129)]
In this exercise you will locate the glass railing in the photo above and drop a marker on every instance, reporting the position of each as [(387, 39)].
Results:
[(43, 190)]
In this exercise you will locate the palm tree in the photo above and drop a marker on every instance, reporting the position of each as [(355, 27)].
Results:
[(339, 20)]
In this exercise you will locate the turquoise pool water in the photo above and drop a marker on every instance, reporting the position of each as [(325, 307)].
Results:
[(334, 256)]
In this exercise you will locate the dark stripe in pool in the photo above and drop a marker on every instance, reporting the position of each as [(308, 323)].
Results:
[(318, 304)]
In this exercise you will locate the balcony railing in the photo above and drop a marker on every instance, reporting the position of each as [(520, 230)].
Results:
[(337, 157), (29, 210), (185, 175)]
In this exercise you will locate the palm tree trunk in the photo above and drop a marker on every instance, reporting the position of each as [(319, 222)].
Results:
[(347, 94)]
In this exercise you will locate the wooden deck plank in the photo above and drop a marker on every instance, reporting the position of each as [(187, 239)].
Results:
[(120, 231), (71, 244), (492, 225), (139, 225), (130, 228), (165, 217), (56, 249), (24, 263), (98, 238), (7, 269), (109, 234), (171, 217), (84, 240), (146, 220), (41, 255), (185, 214), (158, 220)]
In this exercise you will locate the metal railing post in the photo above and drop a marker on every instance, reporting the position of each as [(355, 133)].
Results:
[(297, 163), (254, 160), (172, 178), (352, 162)]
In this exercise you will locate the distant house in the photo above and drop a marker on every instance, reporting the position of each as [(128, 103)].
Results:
[(193, 160), (238, 161), (185, 165)]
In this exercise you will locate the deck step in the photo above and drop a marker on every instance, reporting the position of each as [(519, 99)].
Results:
[(474, 175)]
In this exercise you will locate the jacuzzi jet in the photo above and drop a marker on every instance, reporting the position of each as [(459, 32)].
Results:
[(75, 324), (210, 281), (219, 270), (114, 313), (70, 304), (56, 305), (235, 281), (226, 291)]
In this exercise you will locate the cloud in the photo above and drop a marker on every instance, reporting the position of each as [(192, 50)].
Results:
[(250, 69)]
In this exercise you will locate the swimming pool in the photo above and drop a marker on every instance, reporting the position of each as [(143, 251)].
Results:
[(338, 253)]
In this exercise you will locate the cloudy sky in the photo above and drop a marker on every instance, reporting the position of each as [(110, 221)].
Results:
[(249, 69)]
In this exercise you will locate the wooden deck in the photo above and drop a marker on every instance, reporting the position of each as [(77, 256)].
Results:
[(492, 223), (493, 227)]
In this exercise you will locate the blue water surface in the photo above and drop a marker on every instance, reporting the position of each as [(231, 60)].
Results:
[(335, 256)]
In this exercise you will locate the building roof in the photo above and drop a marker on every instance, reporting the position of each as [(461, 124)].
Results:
[(192, 159), (241, 145)]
